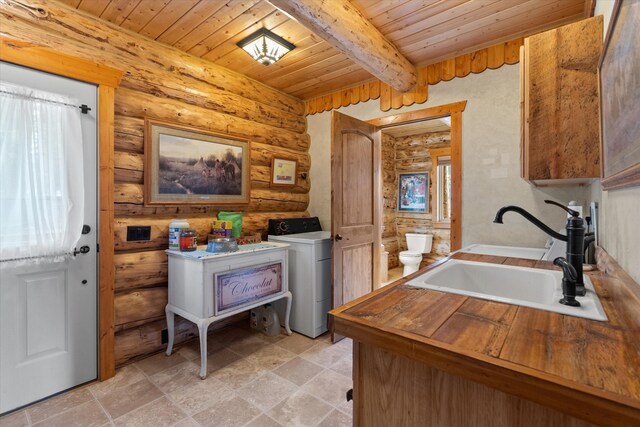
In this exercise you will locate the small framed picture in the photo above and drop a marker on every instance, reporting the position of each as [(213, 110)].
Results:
[(412, 192), (283, 172)]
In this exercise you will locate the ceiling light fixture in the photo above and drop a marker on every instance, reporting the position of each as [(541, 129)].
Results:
[(265, 47)]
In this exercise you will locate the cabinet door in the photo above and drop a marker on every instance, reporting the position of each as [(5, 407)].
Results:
[(560, 104)]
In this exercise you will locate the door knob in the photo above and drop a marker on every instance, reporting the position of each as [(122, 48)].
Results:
[(337, 237), (83, 250)]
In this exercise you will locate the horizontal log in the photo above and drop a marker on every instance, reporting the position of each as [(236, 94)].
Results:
[(261, 200), (136, 343), (202, 95), (73, 32), (251, 223), (138, 104), (141, 304), (128, 142), (413, 165), (127, 175), (134, 270)]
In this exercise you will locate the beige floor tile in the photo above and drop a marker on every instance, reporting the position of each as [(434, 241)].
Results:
[(230, 412), (200, 396), (124, 377), (187, 422), (160, 412), (159, 362), (182, 375), (344, 366), (329, 386), (325, 354), (248, 345), (298, 370), (220, 358), (239, 373), (126, 399), (263, 421), (336, 419), (300, 410), (296, 343), (58, 404), (229, 335), (347, 408), (190, 350), (271, 356), (17, 419), (267, 391), (88, 414)]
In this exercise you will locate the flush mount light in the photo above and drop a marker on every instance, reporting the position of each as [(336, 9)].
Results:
[(265, 47)]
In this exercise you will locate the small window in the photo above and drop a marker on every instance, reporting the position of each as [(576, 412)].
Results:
[(441, 187)]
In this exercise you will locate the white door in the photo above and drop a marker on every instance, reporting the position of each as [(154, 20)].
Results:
[(48, 311)]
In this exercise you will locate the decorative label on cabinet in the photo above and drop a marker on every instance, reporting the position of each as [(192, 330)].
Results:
[(240, 287)]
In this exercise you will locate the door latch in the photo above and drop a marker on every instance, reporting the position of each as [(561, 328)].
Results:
[(337, 237), (83, 250)]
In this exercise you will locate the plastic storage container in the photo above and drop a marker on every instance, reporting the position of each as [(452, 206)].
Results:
[(270, 321), (176, 226)]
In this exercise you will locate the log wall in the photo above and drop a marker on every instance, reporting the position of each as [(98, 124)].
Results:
[(164, 83), (403, 155)]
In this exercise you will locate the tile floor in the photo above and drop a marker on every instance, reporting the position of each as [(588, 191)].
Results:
[(253, 380)]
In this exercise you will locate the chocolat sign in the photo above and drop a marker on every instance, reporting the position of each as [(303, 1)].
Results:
[(246, 285)]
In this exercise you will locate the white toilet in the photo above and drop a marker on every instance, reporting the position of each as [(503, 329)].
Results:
[(418, 244)]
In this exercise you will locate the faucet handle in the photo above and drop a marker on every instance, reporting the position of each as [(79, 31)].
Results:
[(570, 211), (568, 270)]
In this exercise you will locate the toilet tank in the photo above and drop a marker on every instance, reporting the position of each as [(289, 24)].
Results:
[(419, 242)]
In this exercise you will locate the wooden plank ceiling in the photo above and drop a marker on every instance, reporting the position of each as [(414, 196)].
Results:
[(424, 31)]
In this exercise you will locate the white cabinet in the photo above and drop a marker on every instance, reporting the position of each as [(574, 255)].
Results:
[(205, 287), (310, 280)]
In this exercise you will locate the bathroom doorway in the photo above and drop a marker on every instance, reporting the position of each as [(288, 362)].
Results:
[(421, 174)]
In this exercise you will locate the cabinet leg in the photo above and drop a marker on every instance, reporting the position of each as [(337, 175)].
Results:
[(287, 313), (202, 332), (170, 329)]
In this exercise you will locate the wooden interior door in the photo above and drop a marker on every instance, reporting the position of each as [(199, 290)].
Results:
[(355, 208)]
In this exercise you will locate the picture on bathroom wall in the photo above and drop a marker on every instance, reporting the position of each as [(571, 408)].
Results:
[(412, 192), (620, 98), (283, 171), (185, 165)]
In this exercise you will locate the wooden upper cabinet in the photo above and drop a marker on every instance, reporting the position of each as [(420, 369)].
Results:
[(559, 101)]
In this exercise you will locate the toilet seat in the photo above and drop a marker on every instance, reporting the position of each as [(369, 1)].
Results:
[(411, 254)]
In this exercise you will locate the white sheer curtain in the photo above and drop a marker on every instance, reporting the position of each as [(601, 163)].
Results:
[(41, 176)]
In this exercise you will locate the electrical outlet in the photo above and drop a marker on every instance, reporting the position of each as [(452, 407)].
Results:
[(137, 233), (164, 336)]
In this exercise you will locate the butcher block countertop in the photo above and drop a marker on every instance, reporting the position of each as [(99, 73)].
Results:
[(586, 368)]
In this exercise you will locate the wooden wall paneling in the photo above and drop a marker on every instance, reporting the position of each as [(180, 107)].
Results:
[(139, 104), (140, 269), (162, 21), (140, 304)]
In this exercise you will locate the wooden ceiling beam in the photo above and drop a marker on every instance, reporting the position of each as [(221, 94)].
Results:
[(343, 27)]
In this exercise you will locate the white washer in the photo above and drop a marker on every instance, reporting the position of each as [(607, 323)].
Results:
[(309, 280)]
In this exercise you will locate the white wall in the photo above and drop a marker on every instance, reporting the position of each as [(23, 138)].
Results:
[(619, 231), (490, 159)]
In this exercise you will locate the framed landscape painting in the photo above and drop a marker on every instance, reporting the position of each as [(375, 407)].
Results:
[(185, 165), (412, 192)]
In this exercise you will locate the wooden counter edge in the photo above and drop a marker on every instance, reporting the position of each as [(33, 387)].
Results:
[(576, 399)]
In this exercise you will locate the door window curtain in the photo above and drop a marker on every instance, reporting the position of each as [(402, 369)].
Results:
[(41, 176)]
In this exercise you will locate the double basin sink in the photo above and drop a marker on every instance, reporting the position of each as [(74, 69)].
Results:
[(529, 287)]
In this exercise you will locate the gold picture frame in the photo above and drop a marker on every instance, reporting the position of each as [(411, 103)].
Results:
[(186, 165)]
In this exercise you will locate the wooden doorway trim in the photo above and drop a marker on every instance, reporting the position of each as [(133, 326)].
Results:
[(455, 111), (106, 79)]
